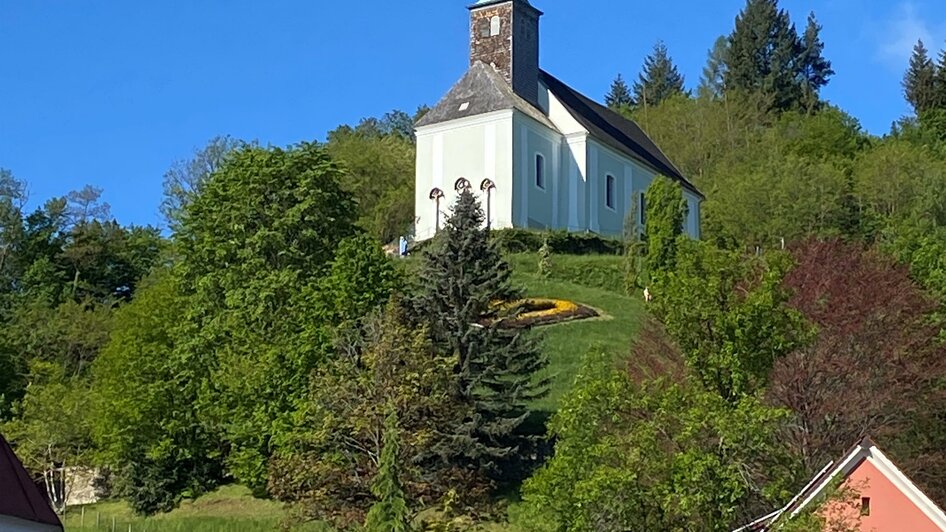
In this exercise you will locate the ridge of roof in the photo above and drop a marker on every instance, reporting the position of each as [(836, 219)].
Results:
[(481, 90), (19, 497), (618, 132)]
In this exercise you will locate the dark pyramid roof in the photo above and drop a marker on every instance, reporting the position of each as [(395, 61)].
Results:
[(613, 129), (483, 90), (19, 497)]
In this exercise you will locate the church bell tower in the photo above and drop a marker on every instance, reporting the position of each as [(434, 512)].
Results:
[(505, 34)]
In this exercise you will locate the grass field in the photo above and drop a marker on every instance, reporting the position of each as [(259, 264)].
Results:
[(589, 280), (228, 508), (595, 281)]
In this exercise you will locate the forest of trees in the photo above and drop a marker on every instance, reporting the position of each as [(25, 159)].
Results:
[(266, 339)]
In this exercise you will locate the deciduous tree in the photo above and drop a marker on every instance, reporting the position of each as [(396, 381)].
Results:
[(254, 246), (876, 366)]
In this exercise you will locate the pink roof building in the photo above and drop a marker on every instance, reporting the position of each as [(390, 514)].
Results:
[(873, 495)]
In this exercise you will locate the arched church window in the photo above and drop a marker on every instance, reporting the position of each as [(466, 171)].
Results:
[(494, 26)]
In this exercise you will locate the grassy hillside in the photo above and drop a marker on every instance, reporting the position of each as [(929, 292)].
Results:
[(593, 280)]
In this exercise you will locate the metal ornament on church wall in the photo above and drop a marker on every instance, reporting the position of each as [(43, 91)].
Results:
[(462, 184)]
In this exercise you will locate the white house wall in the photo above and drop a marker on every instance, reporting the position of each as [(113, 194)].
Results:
[(477, 148)]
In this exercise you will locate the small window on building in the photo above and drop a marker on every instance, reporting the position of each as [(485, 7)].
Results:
[(494, 26), (642, 207), (609, 191), (540, 171), (865, 506), (485, 28)]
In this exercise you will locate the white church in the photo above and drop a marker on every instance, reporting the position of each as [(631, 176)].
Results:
[(540, 154)]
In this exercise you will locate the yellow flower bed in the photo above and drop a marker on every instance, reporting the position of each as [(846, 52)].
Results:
[(534, 312)]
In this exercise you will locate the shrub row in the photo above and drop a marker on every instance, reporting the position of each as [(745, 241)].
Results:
[(561, 242)]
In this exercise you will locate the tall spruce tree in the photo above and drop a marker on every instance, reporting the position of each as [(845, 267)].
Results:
[(390, 513), (814, 69), (620, 95), (659, 79), (711, 82), (464, 282), (764, 55), (919, 83)]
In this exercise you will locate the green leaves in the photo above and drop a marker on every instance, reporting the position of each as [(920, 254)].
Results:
[(657, 456), (255, 245), (727, 312), (665, 210)]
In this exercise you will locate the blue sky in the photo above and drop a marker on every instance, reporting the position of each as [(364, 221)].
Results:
[(111, 92)]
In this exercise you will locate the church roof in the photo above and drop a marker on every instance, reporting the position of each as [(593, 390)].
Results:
[(19, 497), (487, 3), (616, 131), (481, 90)]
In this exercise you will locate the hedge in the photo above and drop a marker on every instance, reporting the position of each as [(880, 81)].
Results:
[(561, 242)]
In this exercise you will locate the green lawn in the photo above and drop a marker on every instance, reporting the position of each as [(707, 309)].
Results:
[(591, 280), (228, 508)]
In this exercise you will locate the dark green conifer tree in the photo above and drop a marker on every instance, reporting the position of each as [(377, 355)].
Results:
[(464, 283), (659, 79), (619, 96), (390, 513), (814, 68), (763, 55), (919, 83)]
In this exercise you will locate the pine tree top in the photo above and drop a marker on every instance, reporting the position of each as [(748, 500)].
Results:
[(659, 79), (619, 96)]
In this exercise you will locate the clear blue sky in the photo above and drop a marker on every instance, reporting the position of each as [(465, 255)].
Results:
[(111, 92)]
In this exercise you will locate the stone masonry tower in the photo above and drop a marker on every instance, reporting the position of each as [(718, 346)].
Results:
[(505, 34)]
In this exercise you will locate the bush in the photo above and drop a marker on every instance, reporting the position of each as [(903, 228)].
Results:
[(594, 271), (560, 242)]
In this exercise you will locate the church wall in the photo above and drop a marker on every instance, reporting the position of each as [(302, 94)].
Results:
[(631, 180), (535, 207), (477, 148)]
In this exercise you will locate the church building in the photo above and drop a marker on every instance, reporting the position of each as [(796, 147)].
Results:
[(540, 154)]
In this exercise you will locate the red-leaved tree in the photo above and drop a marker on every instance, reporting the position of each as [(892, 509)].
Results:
[(875, 367)]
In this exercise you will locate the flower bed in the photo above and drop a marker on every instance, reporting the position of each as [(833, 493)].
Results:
[(537, 312)]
